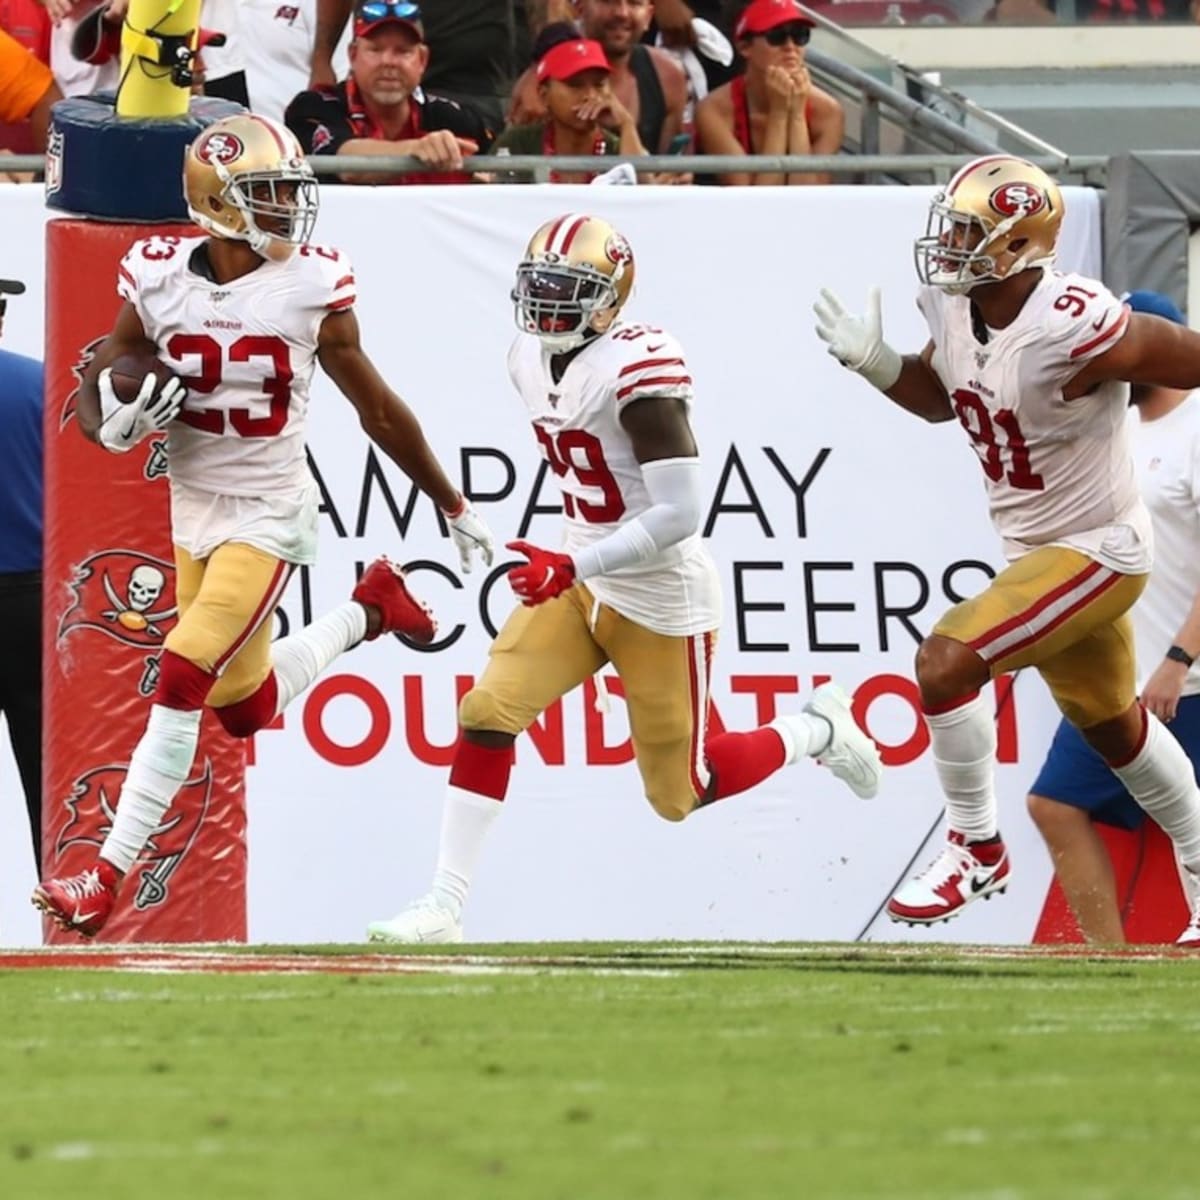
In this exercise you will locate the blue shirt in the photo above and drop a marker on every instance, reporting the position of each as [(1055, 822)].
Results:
[(21, 402)]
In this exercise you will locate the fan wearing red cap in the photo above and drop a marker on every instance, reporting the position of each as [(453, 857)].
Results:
[(774, 107), (583, 116), (381, 108), (647, 80)]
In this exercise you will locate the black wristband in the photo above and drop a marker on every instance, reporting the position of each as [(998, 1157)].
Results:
[(1179, 654)]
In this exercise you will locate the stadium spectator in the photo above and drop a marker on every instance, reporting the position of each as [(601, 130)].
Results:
[(278, 41), (774, 108), (647, 81), (1075, 788), (27, 22), (382, 109), (470, 49), (86, 51), (21, 567), (583, 115), (27, 92)]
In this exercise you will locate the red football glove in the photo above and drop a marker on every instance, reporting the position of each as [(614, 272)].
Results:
[(547, 574)]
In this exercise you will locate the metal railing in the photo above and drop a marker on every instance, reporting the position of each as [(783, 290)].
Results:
[(1087, 168), (892, 108)]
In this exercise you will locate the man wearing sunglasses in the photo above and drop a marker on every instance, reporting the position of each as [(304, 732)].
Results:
[(471, 48), (21, 567), (382, 109), (774, 108)]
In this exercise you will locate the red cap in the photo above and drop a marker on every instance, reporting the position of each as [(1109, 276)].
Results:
[(370, 15), (764, 15), (567, 59)]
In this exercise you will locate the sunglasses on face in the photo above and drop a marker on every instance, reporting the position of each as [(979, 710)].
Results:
[(795, 33), (374, 10)]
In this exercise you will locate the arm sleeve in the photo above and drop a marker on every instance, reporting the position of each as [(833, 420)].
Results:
[(673, 485)]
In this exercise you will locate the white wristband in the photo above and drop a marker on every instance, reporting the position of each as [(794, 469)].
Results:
[(883, 368)]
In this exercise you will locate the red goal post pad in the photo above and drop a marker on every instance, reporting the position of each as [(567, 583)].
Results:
[(109, 603)]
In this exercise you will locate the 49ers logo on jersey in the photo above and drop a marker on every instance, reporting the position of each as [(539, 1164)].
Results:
[(1017, 199), (92, 803), (220, 148)]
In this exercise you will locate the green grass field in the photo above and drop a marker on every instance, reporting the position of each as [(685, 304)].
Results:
[(604, 1071)]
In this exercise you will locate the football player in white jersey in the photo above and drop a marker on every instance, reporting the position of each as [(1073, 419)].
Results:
[(1035, 365), (1075, 791), (242, 316), (634, 585)]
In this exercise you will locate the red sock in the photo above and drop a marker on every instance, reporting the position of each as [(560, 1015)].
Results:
[(247, 716), (741, 760), (483, 770)]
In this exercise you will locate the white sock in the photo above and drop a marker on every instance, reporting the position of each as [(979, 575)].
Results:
[(964, 752), (158, 769), (1163, 781), (299, 659), (803, 734), (466, 819)]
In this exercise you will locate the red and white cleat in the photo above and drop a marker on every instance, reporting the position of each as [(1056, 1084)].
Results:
[(82, 902), (383, 588), (964, 871)]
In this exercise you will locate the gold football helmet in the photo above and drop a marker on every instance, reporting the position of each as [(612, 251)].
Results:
[(576, 274), (246, 178), (997, 217)]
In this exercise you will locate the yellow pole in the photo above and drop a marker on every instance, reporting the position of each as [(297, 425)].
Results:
[(146, 87)]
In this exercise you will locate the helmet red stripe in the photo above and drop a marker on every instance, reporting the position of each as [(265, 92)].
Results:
[(273, 131), (569, 236), (554, 231), (971, 166)]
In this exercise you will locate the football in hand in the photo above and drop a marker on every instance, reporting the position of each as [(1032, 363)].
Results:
[(129, 370)]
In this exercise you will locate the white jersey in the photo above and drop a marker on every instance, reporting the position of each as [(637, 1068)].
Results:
[(1057, 472), (246, 351), (277, 46), (578, 427), (1166, 453)]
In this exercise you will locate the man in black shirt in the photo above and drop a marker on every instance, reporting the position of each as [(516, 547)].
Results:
[(471, 43), (382, 109)]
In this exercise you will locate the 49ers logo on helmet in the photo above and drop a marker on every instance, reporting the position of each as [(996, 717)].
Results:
[(617, 250), (220, 147), (1017, 199)]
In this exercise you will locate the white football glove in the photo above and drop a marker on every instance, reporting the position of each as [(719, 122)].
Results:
[(857, 342), (469, 532), (122, 426)]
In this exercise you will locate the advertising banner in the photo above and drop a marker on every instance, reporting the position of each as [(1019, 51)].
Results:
[(842, 527)]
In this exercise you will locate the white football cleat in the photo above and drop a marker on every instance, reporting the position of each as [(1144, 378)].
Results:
[(425, 922), (850, 755)]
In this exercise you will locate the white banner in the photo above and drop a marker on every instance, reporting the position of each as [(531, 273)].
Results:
[(843, 528)]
